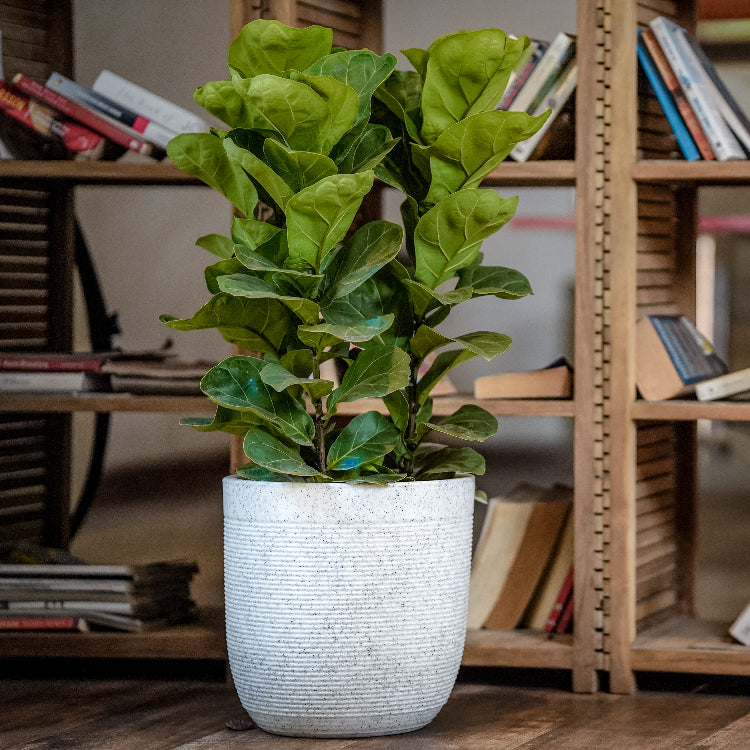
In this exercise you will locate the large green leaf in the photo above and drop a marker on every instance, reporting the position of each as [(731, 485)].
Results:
[(467, 72), (298, 169), (269, 46), (202, 155), (244, 285), (450, 234), (225, 102), (280, 379), (363, 148), (258, 325), (366, 438), (259, 170), (266, 451), (462, 460), (226, 420), (424, 299), (222, 268), (401, 94), (443, 363), (237, 383), (505, 283), (470, 422), (367, 250), (465, 153), (222, 247), (256, 473), (378, 370), (330, 334), (319, 216), (362, 70)]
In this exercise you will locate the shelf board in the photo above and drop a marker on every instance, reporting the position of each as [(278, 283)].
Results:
[(688, 645), (692, 172), (684, 409), (517, 648), (203, 639), (95, 172), (533, 174), (116, 402)]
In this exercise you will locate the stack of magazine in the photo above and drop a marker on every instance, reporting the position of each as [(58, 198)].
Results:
[(133, 598)]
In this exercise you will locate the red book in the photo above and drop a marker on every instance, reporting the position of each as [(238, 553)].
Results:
[(565, 595), (78, 140), (49, 363), (566, 616), (84, 116), (43, 623)]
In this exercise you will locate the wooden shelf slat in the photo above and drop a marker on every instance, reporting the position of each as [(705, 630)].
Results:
[(95, 172), (517, 648), (533, 174), (692, 172), (679, 410)]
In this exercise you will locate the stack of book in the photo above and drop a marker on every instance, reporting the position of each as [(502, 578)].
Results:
[(522, 570), (113, 117), (132, 598), (705, 118), (545, 79)]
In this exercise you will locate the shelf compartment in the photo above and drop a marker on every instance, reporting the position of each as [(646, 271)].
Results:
[(688, 410), (114, 402), (517, 648), (680, 172), (688, 645), (203, 639)]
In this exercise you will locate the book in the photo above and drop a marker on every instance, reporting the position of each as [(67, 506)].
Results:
[(565, 620), (553, 381), (531, 56), (681, 118), (555, 100), (672, 356), (539, 540), (561, 599), (147, 103), (143, 572), (544, 71), (693, 80), (43, 623), (62, 137), (499, 538), (724, 386), (733, 114), (51, 362), (114, 132), (24, 381), (740, 628), (96, 101), (553, 582)]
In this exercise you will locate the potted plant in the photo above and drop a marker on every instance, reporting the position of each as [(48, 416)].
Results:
[(347, 543)]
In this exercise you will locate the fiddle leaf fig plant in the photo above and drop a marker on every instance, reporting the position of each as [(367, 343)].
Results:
[(300, 281)]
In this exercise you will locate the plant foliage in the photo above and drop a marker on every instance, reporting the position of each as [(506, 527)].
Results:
[(301, 281)]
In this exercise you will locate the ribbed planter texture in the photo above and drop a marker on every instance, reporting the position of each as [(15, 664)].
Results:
[(346, 604)]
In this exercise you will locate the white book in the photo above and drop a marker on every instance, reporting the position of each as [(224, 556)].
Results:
[(52, 382), (740, 628), (148, 104), (695, 85), (724, 385)]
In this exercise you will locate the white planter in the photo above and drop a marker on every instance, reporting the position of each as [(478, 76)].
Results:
[(346, 604)]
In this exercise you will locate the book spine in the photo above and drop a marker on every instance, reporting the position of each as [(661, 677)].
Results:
[(555, 101), (523, 76), (681, 118), (565, 593), (148, 104), (49, 364), (541, 72), (723, 386), (102, 105), (566, 616), (560, 68), (42, 623), (82, 115), (45, 121), (692, 80)]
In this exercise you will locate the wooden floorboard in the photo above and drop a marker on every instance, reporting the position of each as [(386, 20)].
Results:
[(191, 715)]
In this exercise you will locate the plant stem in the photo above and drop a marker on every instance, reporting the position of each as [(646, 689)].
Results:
[(318, 420)]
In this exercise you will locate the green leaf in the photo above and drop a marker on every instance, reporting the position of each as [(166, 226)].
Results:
[(377, 371), (298, 169), (370, 248), (259, 170), (366, 438), (222, 268), (362, 70), (401, 93), (505, 283), (467, 72), (269, 46), (220, 246), (258, 325), (319, 216), (465, 153), (261, 474), (202, 155), (243, 285), (298, 361), (329, 334), (425, 299), (252, 234), (398, 407), (268, 452), (279, 378), (470, 422), (487, 344), (450, 234), (426, 340), (224, 420), (237, 383), (462, 460), (226, 103), (363, 149), (444, 362), (418, 58)]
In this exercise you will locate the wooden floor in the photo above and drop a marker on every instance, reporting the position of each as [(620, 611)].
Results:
[(481, 715)]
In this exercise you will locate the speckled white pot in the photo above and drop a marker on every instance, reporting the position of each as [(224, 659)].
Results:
[(346, 604)]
